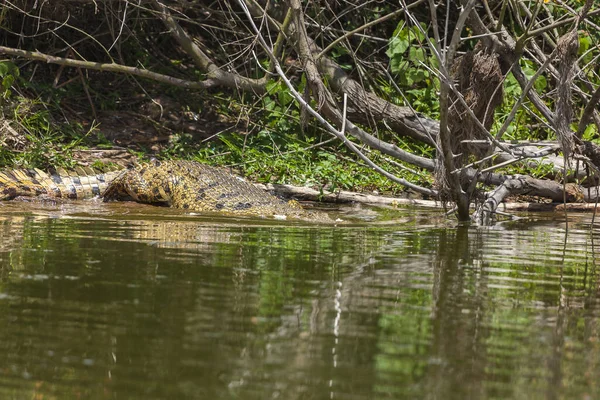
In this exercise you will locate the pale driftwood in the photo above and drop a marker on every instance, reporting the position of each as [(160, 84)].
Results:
[(525, 185), (308, 194), (342, 196), (543, 207)]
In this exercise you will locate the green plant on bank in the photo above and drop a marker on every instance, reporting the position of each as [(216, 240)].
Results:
[(278, 148), (39, 141), (293, 161), (9, 73), (535, 169), (281, 150), (527, 127), (408, 54)]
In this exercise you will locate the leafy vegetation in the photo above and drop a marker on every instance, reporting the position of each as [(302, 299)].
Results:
[(211, 90)]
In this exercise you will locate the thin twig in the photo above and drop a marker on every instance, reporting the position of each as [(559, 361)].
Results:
[(320, 118), (106, 67), (365, 26)]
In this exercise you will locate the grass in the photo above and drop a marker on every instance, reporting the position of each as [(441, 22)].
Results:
[(277, 148), (279, 152), (296, 160)]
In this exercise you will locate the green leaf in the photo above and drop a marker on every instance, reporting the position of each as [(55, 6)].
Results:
[(540, 83), (397, 46), (284, 96), (269, 104), (590, 132), (8, 81), (399, 28), (418, 35), (585, 41), (406, 79), (416, 75), (511, 86), (3, 69), (398, 65), (272, 86), (416, 54)]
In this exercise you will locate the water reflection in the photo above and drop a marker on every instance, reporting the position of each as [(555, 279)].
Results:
[(97, 305)]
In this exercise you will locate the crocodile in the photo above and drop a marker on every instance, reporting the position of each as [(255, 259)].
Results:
[(187, 185)]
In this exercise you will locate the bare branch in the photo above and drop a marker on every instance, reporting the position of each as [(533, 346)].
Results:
[(588, 113), (201, 59), (525, 185), (107, 67), (363, 27), (323, 99)]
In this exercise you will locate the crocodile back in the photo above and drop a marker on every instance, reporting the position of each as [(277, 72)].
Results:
[(198, 187), (187, 185)]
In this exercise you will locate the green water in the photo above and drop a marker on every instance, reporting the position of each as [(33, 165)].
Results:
[(131, 302)]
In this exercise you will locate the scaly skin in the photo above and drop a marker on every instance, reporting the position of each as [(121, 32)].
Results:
[(81, 183), (181, 184), (197, 187)]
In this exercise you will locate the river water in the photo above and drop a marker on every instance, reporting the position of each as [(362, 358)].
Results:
[(124, 301)]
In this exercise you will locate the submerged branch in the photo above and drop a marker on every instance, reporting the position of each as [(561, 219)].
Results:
[(526, 185)]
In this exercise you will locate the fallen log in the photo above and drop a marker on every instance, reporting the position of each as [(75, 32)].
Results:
[(342, 196)]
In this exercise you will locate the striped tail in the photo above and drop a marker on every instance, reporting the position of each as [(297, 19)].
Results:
[(80, 183)]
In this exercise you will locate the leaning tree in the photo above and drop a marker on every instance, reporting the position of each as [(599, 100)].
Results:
[(453, 78)]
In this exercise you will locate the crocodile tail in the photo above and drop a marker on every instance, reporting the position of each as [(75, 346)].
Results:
[(19, 182), (80, 183)]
